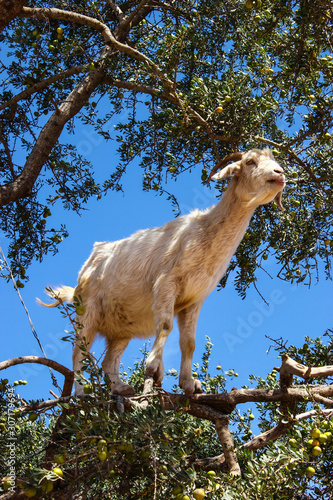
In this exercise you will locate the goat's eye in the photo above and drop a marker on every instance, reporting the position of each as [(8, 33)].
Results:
[(250, 161)]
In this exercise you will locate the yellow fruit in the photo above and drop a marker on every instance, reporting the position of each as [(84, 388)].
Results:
[(47, 487), (199, 494), (102, 456), (322, 438), (6, 485), (30, 492), (58, 472), (219, 109), (315, 433), (87, 389), (310, 471), (101, 444), (249, 4), (59, 459), (60, 31), (176, 490), (328, 434), (316, 451), (211, 473)]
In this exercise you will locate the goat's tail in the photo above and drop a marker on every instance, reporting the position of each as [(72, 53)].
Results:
[(61, 294)]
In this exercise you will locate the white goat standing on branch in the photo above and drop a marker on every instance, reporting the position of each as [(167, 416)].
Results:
[(136, 286)]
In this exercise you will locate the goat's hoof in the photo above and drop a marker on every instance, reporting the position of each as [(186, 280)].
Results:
[(191, 386), (155, 369), (124, 390)]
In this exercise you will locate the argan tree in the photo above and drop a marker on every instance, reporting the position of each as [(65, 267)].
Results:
[(186, 82), (193, 81)]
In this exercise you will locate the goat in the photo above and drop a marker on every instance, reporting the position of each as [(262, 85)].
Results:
[(135, 287)]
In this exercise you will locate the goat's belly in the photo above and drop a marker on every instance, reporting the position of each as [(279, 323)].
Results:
[(127, 318)]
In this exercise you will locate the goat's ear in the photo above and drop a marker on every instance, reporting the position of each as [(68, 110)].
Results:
[(229, 171), (278, 200)]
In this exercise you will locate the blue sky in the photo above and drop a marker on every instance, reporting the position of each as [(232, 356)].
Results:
[(237, 327)]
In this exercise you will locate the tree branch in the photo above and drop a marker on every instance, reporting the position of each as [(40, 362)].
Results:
[(223, 432), (73, 17), (116, 9), (9, 9), (291, 367), (41, 85), (68, 374), (48, 137)]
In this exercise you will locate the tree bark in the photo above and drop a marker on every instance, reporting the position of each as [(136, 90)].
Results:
[(68, 374), (9, 9), (23, 184)]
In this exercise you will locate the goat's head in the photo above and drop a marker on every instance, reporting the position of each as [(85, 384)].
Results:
[(258, 178)]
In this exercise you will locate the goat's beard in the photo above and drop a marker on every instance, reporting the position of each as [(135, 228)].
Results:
[(261, 199)]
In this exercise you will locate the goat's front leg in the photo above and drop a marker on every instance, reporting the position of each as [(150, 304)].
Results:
[(164, 301), (187, 322)]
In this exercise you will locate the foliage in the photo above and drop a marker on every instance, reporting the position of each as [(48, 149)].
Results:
[(171, 86), (153, 453)]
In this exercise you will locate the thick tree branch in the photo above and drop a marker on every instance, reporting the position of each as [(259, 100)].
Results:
[(109, 38), (48, 137), (9, 9), (116, 9), (133, 18), (264, 438), (227, 443), (291, 367), (23, 184), (73, 17), (68, 374), (8, 154), (215, 407)]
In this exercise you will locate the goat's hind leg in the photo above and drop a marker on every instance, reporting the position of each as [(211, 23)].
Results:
[(84, 339), (110, 365)]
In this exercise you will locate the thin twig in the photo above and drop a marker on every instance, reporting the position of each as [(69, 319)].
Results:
[(54, 380)]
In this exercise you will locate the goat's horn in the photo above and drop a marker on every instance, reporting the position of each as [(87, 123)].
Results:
[(232, 157)]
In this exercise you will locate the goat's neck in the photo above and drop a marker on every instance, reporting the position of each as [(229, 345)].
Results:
[(231, 211), (226, 224)]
